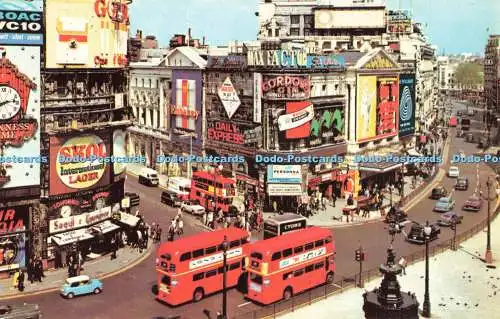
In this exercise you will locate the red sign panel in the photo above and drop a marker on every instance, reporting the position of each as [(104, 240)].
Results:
[(279, 87), (13, 219), (388, 106), (225, 132), (303, 130)]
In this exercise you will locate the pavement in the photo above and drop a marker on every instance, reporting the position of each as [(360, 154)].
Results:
[(101, 268), (461, 285)]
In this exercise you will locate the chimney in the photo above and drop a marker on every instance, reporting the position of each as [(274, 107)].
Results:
[(203, 43), (188, 40), (138, 34)]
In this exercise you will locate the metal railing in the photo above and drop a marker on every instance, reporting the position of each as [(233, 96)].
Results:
[(346, 282)]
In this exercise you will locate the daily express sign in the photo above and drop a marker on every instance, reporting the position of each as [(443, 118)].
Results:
[(21, 22)]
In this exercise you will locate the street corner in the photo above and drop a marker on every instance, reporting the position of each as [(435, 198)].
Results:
[(141, 257)]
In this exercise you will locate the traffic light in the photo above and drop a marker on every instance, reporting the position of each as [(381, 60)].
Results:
[(358, 255), (453, 226)]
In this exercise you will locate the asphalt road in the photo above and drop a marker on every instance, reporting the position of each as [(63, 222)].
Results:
[(128, 295)]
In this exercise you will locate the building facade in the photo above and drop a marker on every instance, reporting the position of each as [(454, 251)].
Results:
[(492, 73)]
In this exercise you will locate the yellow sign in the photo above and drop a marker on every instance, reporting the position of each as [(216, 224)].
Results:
[(366, 106), (86, 33), (379, 62)]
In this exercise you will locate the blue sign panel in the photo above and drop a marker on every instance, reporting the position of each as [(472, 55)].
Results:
[(406, 104), (21, 22), (284, 174)]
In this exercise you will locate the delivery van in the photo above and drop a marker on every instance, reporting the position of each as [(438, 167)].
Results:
[(149, 177), (180, 186)]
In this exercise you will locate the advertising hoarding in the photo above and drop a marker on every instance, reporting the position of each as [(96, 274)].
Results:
[(349, 18), (232, 133), (14, 223), (19, 116), (82, 220), (76, 163), (399, 21), (284, 174), (119, 150), (297, 119), (388, 106), (21, 22), (227, 62), (366, 107), (229, 97), (296, 58), (184, 110), (406, 104), (286, 87), (257, 98), (86, 33), (284, 189)]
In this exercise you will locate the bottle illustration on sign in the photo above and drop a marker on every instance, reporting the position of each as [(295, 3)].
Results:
[(15, 127)]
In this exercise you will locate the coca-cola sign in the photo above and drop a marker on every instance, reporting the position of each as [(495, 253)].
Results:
[(286, 87)]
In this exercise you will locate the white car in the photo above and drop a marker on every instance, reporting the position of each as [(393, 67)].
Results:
[(192, 207), (453, 171)]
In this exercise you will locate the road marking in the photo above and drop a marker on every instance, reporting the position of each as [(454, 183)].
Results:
[(244, 304), (338, 286), (56, 281)]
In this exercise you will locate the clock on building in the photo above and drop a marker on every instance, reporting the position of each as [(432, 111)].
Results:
[(10, 102), (65, 211)]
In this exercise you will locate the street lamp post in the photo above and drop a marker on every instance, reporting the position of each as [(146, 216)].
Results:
[(189, 165), (488, 258), (454, 228), (426, 311), (225, 246)]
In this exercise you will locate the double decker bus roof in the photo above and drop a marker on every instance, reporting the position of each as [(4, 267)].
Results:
[(286, 241), (210, 176), (201, 240)]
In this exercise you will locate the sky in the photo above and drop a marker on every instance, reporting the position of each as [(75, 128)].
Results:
[(455, 26)]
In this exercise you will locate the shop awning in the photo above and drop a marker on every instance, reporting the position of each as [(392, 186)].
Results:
[(381, 167), (71, 237), (105, 227), (128, 219)]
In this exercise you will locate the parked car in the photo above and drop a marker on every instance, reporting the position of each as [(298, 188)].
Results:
[(469, 138), (449, 218), (21, 311), (473, 203), (81, 285), (453, 172), (170, 198), (417, 235), (193, 207), (462, 184), (149, 177), (396, 215), (438, 192), (444, 204)]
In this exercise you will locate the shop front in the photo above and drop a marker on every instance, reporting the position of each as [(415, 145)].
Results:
[(14, 236), (284, 187), (378, 173)]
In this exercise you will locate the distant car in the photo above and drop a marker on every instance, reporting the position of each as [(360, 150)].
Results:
[(416, 234), (444, 204), (396, 215), (460, 133), (469, 138), (453, 172), (449, 218), (473, 203), (438, 192), (471, 112), (462, 184), (81, 285), (21, 311), (170, 198), (193, 207)]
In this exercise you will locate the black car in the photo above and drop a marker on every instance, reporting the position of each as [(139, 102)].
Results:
[(170, 198), (417, 236), (462, 184), (439, 192), (469, 138), (396, 216), (20, 311)]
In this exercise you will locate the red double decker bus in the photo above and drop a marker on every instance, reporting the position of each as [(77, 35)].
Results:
[(289, 264), (191, 267), (209, 188)]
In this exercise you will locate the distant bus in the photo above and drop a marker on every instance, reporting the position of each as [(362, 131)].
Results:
[(465, 124), (286, 265), (207, 187), (190, 268), (283, 224)]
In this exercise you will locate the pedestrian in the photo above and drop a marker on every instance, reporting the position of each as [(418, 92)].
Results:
[(275, 207), (180, 226), (113, 248), (210, 220), (152, 232), (20, 281), (158, 233), (171, 233), (402, 262), (30, 270), (334, 199), (38, 270), (205, 218)]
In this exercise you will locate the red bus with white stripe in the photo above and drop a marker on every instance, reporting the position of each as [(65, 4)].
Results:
[(289, 264), (191, 268)]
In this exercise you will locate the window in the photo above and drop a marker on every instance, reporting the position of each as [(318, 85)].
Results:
[(142, 81), (234, 266), (309, 268), (198, 253), (256, 256), (276, 256), (256, 278), (297, 250), (287, 275), (299, 272), (270, 33), (199, 276), (210, 250), (243, 240), (319, 265), (165, 280), (295, 19), (309, 20), (75, 284), (294, 31), (169, 85), (234, 243), (319, 243), (309, 246), (287, 252), (135, 81), (150, 83), (328, 240), (186, 256), (210, 273), (308, 31)]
